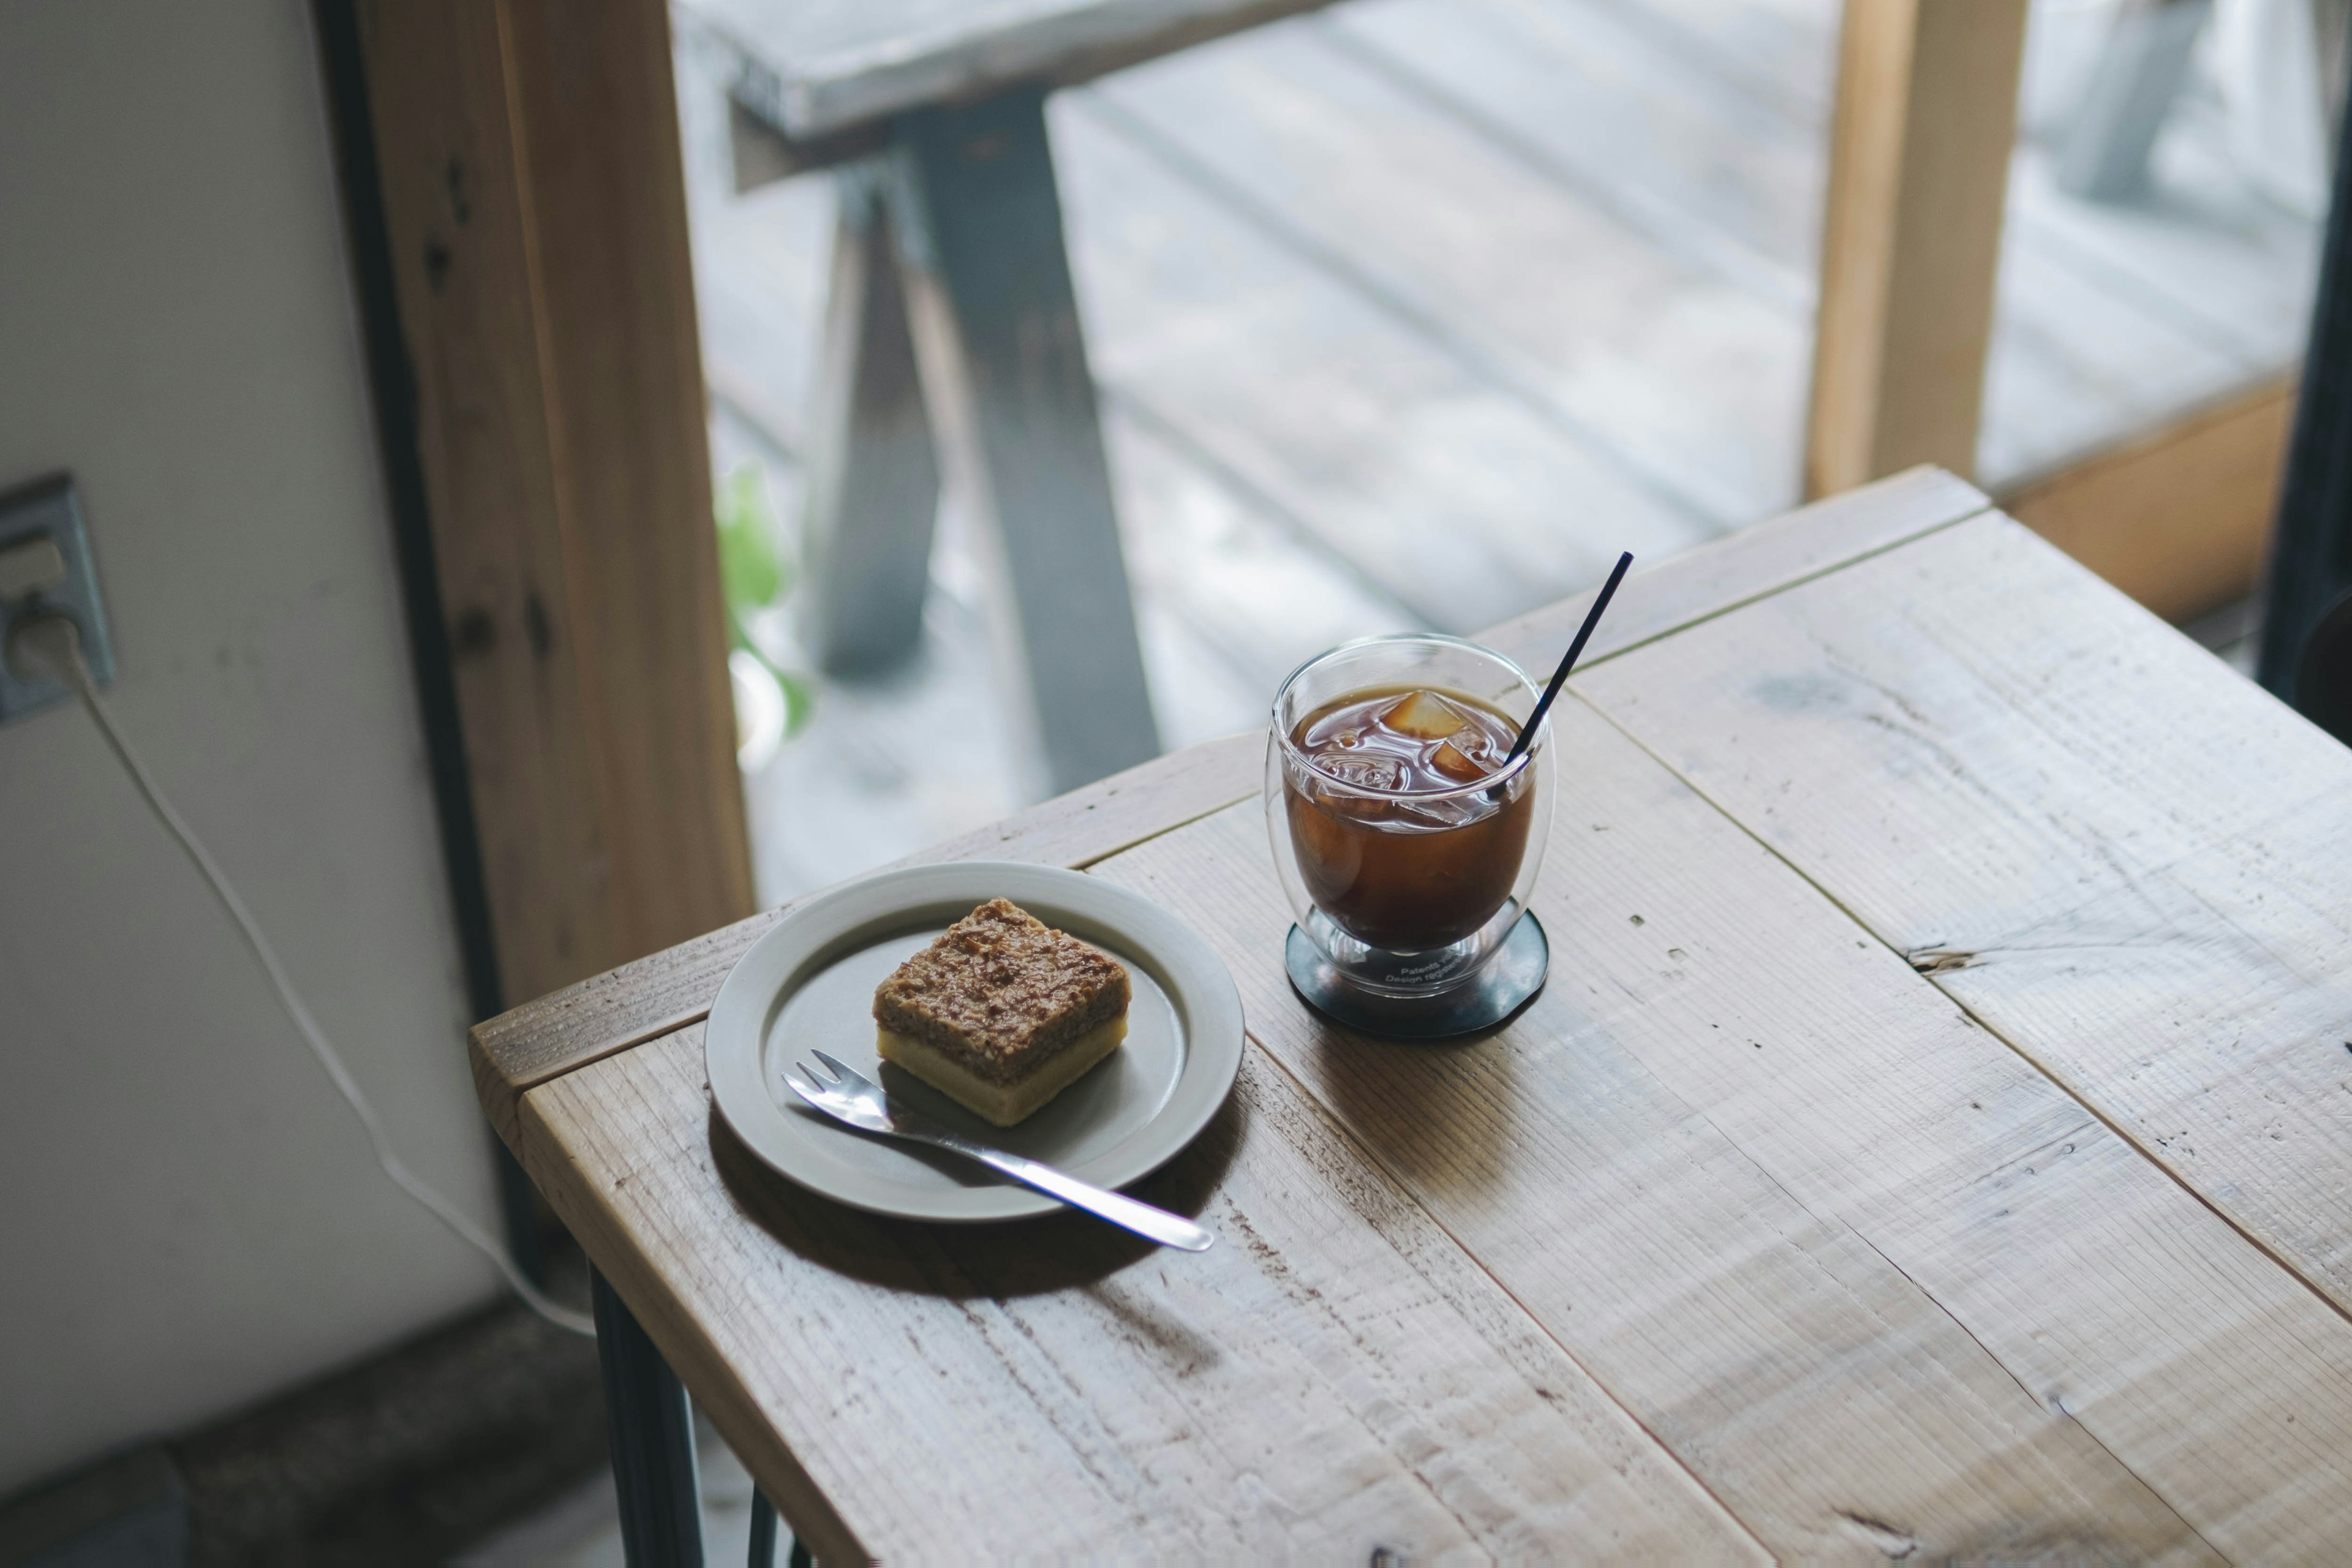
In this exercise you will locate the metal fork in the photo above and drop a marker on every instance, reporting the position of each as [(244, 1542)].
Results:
[(860, 1102)]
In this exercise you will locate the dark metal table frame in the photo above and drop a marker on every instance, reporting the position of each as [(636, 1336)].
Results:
[(2306, 635), (651, 1428)]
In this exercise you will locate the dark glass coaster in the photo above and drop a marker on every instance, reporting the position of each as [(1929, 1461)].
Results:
[(1506, 984)]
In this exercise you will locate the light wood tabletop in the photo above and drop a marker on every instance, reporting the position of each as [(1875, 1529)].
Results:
[(1934, 1140)]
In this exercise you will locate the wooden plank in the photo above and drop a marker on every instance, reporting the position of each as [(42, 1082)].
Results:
[(2177, 519), (657, 995), (2077, 365), (1255, 590), (537, 230), (1778, 51), (2114, 852), (1371, 429), (2212, 254), (558, 1033), (1849, 1257), (1919, 154), (820, 70), (1623, 105), (1334, 1379), (2108, 319), (1647, 350)]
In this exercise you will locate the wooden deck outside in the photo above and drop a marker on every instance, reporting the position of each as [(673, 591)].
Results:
[(1414, 312)]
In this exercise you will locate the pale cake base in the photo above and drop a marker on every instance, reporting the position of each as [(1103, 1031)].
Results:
[(1001, 1103)]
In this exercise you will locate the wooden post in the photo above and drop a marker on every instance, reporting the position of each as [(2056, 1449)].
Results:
[(534, 205), (1926, 107)]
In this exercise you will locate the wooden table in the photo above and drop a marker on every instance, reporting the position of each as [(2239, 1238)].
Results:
[(1935, 1139)]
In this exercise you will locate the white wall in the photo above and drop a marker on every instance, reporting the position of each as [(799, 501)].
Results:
[(188, 1217)]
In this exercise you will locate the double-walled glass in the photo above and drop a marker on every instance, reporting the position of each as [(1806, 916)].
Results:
[(1406, 891)]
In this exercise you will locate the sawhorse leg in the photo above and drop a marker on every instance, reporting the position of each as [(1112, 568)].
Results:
[(990, 331), (652, 1436), (874, 484), (1012, 405)]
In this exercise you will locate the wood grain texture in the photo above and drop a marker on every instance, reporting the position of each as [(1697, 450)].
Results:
[(1750, 1177), (537, 220), (1920, 155), (1636, 350), (441, 106), (1334, 1379), (1846, 1254), (2179, 517), (613, 290), (2124, 859), (656, 995), (1275, 357), (1620, 102), (638, 1002)]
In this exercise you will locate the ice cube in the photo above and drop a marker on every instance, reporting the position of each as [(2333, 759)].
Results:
[(1463, 767), (1369, 772), (1424, 715), (1442, 811)]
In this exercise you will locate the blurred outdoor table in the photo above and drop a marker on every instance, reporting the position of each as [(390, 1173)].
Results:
[(1934, 1140), (953, 341)]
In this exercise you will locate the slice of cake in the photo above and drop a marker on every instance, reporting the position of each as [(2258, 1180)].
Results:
[(1003, 1012)]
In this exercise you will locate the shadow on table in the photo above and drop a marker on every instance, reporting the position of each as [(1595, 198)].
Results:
[(1003, 1260), (1442, 1115)]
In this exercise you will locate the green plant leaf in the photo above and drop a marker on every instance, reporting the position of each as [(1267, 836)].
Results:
[(750, 571)]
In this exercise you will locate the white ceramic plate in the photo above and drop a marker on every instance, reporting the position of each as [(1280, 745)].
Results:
[(808, 984)]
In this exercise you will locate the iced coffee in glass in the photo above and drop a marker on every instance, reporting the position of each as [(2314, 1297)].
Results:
[(1405, 834)]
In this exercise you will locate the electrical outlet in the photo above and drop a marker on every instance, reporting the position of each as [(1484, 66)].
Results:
[(34, 521)]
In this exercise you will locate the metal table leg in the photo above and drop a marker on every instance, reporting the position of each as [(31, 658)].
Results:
[(763, 1537), (764, 1531), (652, 1436)]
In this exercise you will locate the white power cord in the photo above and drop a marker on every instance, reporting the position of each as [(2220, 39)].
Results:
[(52, 642)]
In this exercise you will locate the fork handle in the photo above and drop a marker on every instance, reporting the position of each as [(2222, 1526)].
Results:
[(1154, 1224)]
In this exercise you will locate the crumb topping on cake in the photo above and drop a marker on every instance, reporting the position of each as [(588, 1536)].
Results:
[(1002, 990)]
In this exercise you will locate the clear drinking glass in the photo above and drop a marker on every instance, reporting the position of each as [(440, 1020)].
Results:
[(1407, 891)]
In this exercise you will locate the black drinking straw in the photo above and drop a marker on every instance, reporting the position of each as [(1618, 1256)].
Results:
[(1560, 675)]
